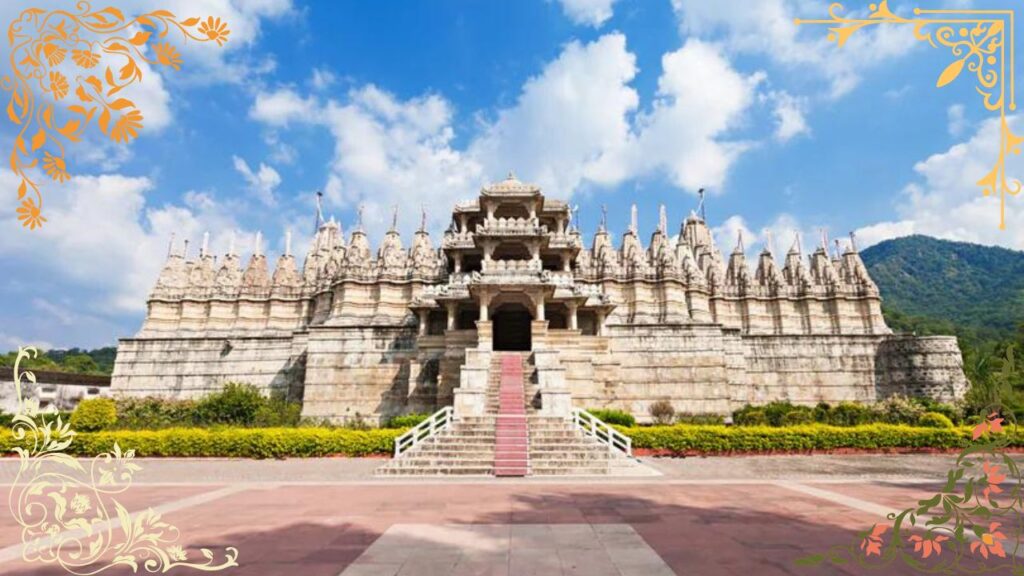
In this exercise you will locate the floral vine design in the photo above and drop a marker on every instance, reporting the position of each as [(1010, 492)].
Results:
[(974, 529), (977, 39), (50, 52), (68, 512)]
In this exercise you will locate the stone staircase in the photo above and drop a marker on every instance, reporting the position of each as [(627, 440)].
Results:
[(512, 439)]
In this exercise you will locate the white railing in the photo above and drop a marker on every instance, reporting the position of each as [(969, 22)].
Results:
[(594, 427), (437, 422)]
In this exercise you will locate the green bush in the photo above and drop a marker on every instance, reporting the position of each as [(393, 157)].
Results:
[(230, 442), (276, 412), (852, 414), (702, 419), (934, 420), (901, 410), (153, 413), (94, 414), (406, 420), (612, 416), (750, 416), (797, 417), (235, 404), (684, 439)]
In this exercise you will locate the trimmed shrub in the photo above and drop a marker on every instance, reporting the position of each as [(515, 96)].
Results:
[(406, 420), (94, 414), (230, 442), (797, 417), (236, 404), (852, 414), (750, 416), (682, 439), (934, 420), (612, 416), (700, 419), (901, 410), (662, 411), (154, 413)]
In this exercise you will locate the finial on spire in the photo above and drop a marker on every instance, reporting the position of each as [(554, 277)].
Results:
[(423, 217), (662, 219), (700, 206), (206, 245), (633, 219), (256, 244), (739, 242), (185, 253), (288, 242), (839, 251), (824, 238), (394, 217), (799, 248), (511, 175), (319, 212), (768, 241), (170, 246), (231, 244), (359, 221), (604, 217), (574, 217), (853, 241)]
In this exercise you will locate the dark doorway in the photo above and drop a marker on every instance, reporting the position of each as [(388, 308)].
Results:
[(512, 327)]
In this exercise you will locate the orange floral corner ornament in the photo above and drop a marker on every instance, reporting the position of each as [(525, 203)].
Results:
[(973, 525), (69, 68), (981, 43)]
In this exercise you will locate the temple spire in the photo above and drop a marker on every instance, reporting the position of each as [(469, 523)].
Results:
[(739, 242)]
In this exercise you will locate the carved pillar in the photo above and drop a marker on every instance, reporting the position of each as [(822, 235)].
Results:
[(485, 302), (463, 223), (573, 324), (600, 322), (452, 309), (458, 262), (423, 314)]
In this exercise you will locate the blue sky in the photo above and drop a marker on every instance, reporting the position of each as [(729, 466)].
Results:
[(602, 102)]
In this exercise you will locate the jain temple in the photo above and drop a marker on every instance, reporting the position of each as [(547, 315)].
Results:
[(419, 324)]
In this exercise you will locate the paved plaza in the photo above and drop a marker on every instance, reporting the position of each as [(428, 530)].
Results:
[(744, 515)]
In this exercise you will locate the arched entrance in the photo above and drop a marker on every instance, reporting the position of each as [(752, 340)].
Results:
[(511, 327)]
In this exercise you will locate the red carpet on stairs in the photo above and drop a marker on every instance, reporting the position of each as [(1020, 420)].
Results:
[(511, 451)]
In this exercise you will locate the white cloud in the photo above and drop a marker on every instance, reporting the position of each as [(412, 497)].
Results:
[(262, 182), (569, 123), (700, 98), (789, 116), (102, 236), (588, 12), (947, 202), (280, 107), (782, 233), (956, 121), (767, 27), (322, 79), (575, 123)]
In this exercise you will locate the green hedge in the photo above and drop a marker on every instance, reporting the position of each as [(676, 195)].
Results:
[(232, 442), (683, 439), (679, 439)]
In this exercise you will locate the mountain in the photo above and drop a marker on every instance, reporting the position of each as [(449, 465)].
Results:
[(938, 286)]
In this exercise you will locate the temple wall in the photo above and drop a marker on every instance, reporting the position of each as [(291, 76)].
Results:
[(214, 316), (193, 367), (928, 366)]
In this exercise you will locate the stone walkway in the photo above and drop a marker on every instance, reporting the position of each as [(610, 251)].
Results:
[(729, 516)]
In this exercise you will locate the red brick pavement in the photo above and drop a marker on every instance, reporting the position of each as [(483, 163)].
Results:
[(697, 529)]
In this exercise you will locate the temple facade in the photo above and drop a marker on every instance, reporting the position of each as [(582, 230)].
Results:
[(361, 334)]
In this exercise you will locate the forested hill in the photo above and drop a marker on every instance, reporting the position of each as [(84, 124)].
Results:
[(938, 286)]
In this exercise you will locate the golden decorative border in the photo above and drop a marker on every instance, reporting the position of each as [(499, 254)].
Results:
[(68, 514), (973, 530), (37, 56), (981, 49)]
